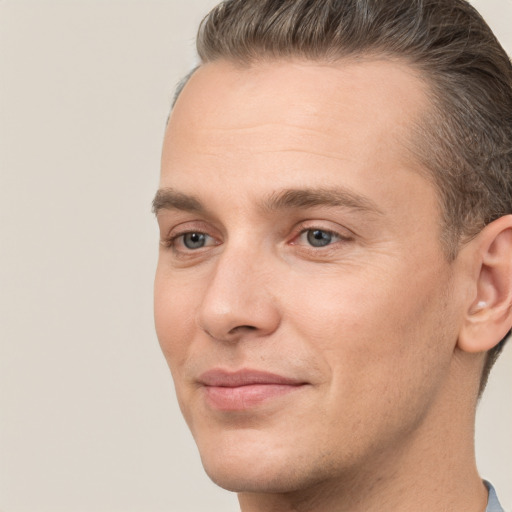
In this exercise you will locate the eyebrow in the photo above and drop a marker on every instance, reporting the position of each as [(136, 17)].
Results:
[(288, 199), (309, 198), (169, 199)]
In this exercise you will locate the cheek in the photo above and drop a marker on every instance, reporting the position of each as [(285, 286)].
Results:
[(377, 331), (174, 306), (381, 348)]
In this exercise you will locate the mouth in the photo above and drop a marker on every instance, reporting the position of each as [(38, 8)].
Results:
[(244, 389)]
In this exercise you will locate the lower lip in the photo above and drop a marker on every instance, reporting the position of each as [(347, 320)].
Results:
[(245, 397)]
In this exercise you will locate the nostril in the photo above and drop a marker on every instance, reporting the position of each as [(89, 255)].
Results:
[(242, 328), (232, 335)]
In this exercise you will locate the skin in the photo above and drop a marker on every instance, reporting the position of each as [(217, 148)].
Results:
[(370, 323)]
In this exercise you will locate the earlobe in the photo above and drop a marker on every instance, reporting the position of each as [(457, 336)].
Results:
[(489, 316)]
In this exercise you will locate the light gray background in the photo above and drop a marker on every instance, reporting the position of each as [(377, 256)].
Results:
[(88, 420)]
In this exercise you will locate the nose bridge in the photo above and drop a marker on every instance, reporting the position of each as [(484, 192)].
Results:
[(238, 297)]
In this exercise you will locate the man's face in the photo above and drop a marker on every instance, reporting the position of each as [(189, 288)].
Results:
[(302, 298)]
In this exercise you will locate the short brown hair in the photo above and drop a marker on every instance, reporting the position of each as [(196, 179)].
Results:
[(466, 142)]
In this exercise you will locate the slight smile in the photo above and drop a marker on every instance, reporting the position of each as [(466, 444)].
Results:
[(244, 389)]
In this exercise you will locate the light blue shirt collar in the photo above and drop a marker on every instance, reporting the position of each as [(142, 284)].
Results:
[(493, 505)]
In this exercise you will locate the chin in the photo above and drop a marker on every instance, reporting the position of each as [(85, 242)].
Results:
[(255, 477), (241, 469), (245, 462), (268, 468)]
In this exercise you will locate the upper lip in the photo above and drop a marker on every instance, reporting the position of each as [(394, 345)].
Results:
[(245, 377)]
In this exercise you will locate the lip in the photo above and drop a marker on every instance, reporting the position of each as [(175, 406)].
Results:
[(244, 389)]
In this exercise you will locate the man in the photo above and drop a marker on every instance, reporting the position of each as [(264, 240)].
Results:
[(335, 272)]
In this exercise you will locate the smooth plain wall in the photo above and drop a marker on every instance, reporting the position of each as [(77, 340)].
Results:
[(88, 419)]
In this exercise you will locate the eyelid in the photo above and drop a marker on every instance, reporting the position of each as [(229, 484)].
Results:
[(190, 226)]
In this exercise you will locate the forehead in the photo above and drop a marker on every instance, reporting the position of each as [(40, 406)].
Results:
[(291, 124), (352, 100), (316, 83)]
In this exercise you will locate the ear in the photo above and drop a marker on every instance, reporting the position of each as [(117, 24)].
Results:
[(489, 316)]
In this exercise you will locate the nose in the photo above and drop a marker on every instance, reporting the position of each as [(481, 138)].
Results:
[(238, 302)]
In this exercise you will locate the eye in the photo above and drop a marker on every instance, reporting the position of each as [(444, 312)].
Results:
[(194, 240), (318, 237)]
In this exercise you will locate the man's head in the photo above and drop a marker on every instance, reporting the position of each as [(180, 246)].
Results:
[(335, 185)]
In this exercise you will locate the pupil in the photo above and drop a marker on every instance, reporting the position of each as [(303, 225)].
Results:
[(319, 238), (194, 240)]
